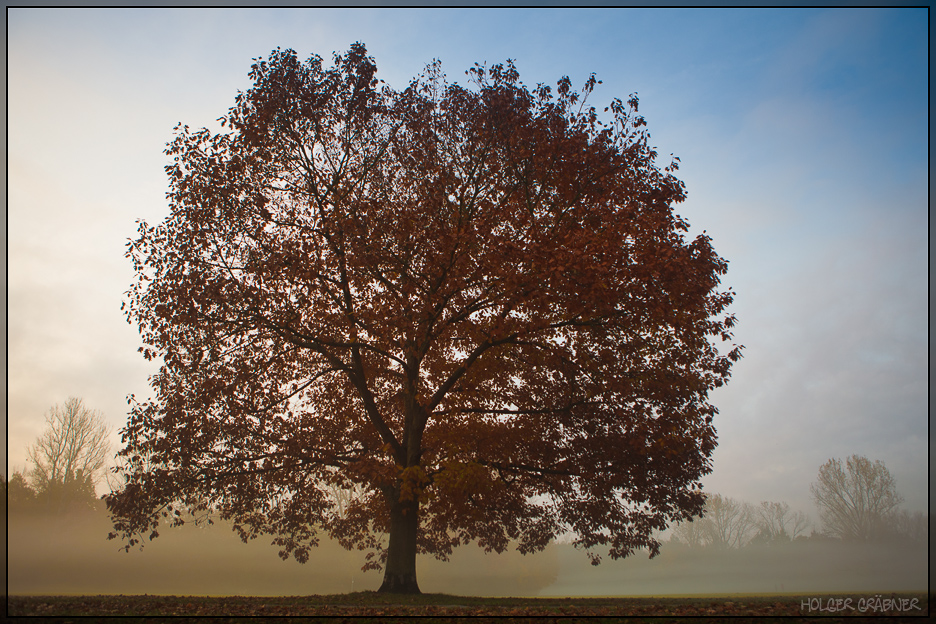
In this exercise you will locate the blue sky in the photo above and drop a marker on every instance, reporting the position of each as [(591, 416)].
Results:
[(803, 140)]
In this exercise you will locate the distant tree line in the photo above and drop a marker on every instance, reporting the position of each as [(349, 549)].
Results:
[(857, 500), (65, 463), (727, 523)]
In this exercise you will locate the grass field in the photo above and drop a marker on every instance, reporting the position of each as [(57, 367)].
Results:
[(374, 607)]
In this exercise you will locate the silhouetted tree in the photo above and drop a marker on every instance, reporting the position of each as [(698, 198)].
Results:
[(20, 495), (725, 523), (691, 532), (475, 304), (68, 458), (775, 523), (855, 498), (729, 523)]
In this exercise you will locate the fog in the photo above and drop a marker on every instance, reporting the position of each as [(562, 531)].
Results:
[(71, 555), (804, 566)]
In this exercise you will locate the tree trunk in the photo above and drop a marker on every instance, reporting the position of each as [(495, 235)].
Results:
[(400, 574)]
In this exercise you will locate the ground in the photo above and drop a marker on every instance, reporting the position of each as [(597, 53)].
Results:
[(371, 606)]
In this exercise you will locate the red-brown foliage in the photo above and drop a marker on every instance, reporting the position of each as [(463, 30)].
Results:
[(474, 304)]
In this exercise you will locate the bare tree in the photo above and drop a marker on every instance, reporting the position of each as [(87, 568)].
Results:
[(856, 498), (776, 523), (71, 453), (731, 523), (799, 522), (726, 523), (693, 533)]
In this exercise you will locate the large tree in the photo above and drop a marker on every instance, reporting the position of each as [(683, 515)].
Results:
[(473, 304)]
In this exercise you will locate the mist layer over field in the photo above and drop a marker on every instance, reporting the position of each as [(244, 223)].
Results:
[(71, 555), (807, 566)]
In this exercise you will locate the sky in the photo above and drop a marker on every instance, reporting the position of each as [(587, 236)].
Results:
[(803, 139)]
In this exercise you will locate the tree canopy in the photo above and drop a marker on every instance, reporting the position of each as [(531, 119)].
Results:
[(474, 304)]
